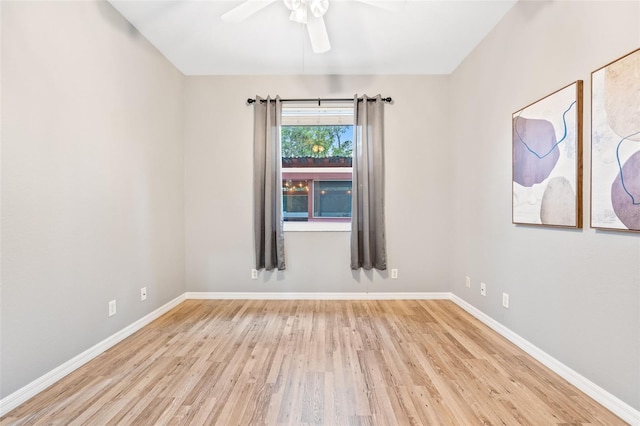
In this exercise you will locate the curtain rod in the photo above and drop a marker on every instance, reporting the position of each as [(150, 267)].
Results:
[(319, 100)]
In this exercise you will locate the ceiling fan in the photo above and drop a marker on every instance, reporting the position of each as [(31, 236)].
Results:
[(307, 12)]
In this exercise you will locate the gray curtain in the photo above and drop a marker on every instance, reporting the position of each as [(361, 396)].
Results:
[(269, 236), (368, 241)]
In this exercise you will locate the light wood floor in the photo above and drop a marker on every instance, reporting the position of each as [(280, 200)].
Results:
[(313, 362)]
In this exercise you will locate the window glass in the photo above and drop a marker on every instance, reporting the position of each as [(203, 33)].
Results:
[(295, 200), (332, 198)]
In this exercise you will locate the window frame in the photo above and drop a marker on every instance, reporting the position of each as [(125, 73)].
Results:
[(304, 115)]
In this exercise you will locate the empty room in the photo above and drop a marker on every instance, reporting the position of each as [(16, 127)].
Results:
[(328, 212)]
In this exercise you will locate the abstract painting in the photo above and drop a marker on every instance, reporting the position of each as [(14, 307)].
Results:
[(615, 145), (547, 160)]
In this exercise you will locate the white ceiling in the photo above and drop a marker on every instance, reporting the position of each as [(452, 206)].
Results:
[(403, 37)]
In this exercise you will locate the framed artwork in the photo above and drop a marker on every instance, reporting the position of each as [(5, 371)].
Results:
[(615, 145), (547, 160)]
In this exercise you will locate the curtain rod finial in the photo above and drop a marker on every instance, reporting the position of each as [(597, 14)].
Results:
[(251, 101)]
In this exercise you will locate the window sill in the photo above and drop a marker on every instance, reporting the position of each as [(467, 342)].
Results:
[(317, 227)]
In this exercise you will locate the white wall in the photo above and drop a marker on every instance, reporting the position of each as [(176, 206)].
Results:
[(574, 294), (218, 188), (92, 182)]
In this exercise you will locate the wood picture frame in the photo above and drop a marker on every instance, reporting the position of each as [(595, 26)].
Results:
[(547, 160), (615, 145)]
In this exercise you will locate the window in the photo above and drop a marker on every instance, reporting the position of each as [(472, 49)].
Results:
[(317, 144), (332, 198)]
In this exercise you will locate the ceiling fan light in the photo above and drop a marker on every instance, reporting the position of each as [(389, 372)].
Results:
[(318, 7), (299, 15), (292, 4)]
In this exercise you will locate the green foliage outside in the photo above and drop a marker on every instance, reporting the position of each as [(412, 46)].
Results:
[(316, 141)]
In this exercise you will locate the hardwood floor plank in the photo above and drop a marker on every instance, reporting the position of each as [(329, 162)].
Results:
[(262, 362), (313, 399)]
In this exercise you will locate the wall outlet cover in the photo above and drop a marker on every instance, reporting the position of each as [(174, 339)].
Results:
[(112, 308), (505, 300)]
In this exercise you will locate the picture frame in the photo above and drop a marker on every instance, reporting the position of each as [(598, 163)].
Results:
[(615, 145), (547, 160)]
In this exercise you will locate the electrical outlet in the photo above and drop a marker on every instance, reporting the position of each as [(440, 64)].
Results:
[(394, 274), (505, 300), (143, 293), (467, 282), (254, 274), (483, 289), (112, 308)]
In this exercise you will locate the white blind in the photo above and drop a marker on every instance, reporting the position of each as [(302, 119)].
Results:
[(317, 116)]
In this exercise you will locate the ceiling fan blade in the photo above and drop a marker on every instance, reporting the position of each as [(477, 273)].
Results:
[(244, 10), (318, 34)]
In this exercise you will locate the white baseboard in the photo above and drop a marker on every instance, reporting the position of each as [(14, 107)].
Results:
[(25, 393), (318, 296), (613, 404)]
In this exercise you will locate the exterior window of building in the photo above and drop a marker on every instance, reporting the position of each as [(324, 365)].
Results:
[(332, 198), (317, 144), (295, 199)]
